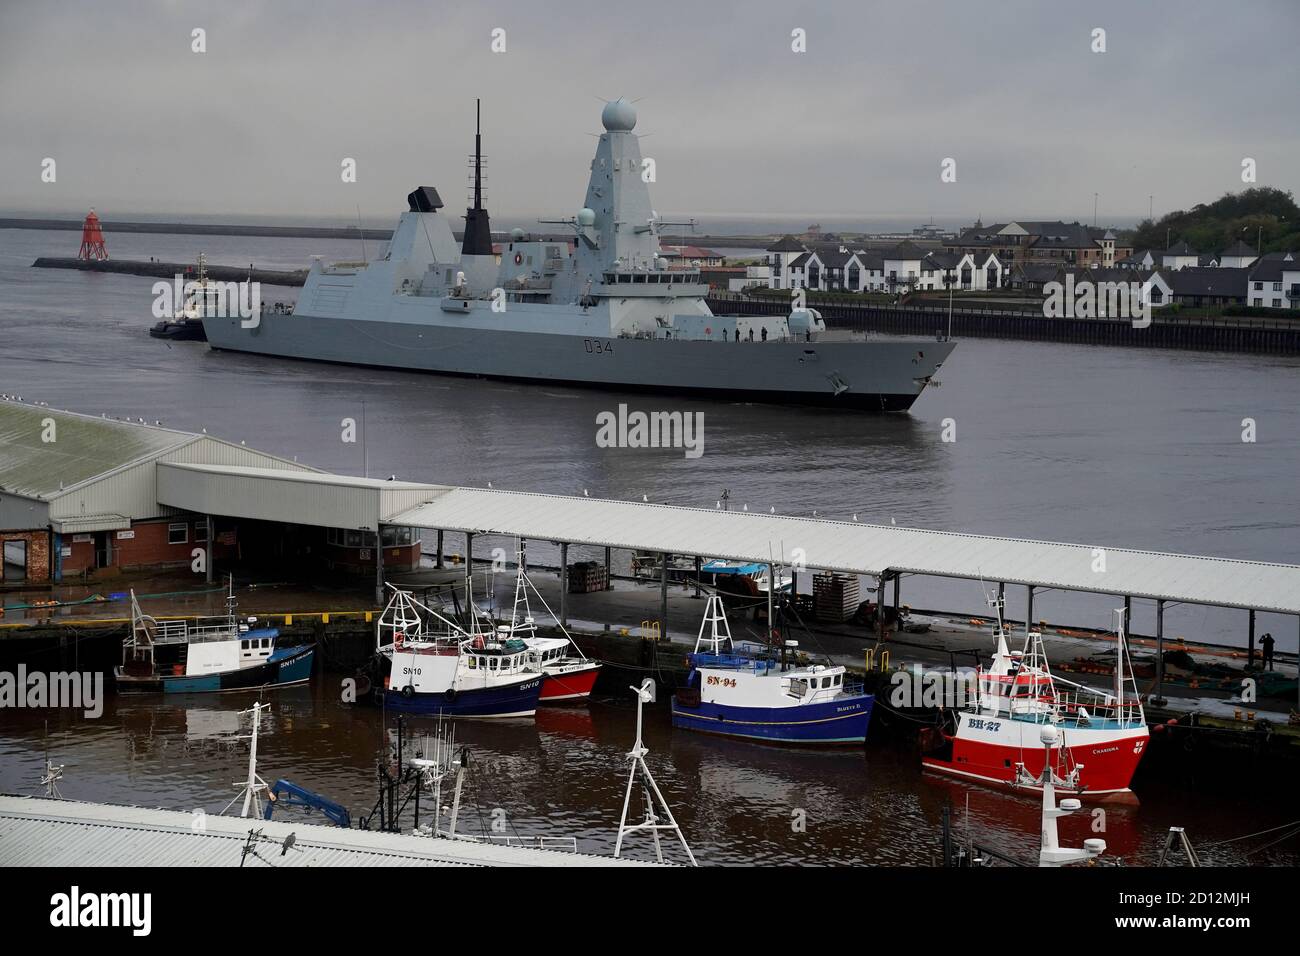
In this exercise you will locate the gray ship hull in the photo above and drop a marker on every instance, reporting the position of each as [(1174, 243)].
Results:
[(876, 375)]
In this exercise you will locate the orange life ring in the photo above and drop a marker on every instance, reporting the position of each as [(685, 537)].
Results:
[(399, 638)]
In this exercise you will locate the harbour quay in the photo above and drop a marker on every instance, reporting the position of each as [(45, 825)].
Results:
[(109, 502)]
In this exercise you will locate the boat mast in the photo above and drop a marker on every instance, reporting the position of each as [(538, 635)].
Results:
[(645, 694), (478, 233)]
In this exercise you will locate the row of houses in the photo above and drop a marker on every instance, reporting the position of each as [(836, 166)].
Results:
[(905, 267), (1182, 256), (1270, 281), (1041, 242)]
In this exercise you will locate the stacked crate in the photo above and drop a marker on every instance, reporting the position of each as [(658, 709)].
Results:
[(587, 576), (835, 597)]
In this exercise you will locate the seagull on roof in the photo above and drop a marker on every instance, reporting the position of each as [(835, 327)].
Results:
[(644, 498)]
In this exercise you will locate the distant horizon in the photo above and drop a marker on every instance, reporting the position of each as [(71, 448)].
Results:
[(785, 222)]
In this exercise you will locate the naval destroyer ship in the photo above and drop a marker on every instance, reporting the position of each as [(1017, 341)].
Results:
[(600, 308)]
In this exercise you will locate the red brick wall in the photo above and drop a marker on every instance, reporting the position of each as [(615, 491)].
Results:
[(148, 547), (38, 553), (83, 554)]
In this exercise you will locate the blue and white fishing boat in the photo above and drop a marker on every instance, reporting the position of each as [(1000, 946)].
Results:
[(453, 673), (751, 692), (207, 654)]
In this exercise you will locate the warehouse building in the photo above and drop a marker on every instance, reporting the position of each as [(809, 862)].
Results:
[(79, 498)]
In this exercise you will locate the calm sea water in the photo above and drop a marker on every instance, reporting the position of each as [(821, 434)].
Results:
[(1098, 445)]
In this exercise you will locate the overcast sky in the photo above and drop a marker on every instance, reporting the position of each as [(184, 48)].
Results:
[(739, 124)]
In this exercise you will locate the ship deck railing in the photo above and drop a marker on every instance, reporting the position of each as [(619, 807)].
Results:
[(202, 630)]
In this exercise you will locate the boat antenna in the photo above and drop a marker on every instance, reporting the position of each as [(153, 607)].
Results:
[(478, 232), (645, 694), (251, 789)]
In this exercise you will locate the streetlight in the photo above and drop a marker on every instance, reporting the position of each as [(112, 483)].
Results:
[(947, 280)]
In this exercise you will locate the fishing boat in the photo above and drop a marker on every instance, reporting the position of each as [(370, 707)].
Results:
[(996, 738), (751, 692), (208, 654), (568, 675), (452, 673)]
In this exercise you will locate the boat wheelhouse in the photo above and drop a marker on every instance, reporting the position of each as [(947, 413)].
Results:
[(757, 693), (207, 654), (996, 739)]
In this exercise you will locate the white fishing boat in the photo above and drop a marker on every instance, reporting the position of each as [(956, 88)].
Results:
[(207, 654), (451, 672)]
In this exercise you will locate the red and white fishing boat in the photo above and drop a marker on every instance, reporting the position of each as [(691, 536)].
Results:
[(568, 674), (997, 738)]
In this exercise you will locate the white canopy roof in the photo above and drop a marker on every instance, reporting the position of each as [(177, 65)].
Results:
[(862, 548)]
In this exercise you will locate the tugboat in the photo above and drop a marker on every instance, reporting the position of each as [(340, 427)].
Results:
[(997, 738), (568, 674), (210, 654), (202, 298), (453, 674), (753, 694)]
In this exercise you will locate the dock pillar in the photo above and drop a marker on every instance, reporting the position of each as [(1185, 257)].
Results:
[(609, 580), (663, 594), (523, 555), (898, 583), (1128, 614), (564, 583), (697, 575), (771, 597), (880, 606), (439, 564), (379, 564), (1029, 610), (1002, 597), (1250, 642), (1156, 697), (207, 522), (469, 570)]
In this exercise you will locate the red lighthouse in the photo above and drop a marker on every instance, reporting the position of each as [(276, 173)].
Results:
[(92, 239)]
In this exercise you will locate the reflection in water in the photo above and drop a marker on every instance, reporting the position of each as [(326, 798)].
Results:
[(1118, 447), (737, 802)]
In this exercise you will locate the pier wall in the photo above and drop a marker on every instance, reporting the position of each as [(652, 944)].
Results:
[(1228, 334)]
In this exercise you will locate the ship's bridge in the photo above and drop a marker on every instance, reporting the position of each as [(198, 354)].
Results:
[(633, 282)]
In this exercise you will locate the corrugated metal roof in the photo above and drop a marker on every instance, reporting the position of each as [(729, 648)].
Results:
[(863, 548), (297, 497), (84, 447), (35, 831)]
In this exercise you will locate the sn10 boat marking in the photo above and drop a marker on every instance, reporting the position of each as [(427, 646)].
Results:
[(760, 697), (452, 673), (207, 655), (997, 738)]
